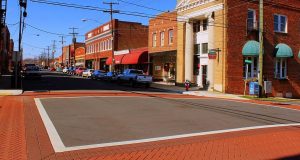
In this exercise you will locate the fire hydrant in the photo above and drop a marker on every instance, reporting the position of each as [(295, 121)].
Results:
[(187, 85)]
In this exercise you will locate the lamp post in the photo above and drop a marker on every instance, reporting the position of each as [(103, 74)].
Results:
[(98, 22)]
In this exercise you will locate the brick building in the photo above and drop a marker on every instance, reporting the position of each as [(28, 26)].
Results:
[(162, 46), (128, 36), (216, 37), (6, 51), (80, 57), (68, 53), (281, 46)]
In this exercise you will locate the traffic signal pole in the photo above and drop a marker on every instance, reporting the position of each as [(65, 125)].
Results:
[(261, 48)]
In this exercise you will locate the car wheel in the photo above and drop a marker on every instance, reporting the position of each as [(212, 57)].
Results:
[(147, 85), (132, 83)]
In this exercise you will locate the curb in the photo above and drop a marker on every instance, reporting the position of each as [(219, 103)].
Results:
[(11, 92)]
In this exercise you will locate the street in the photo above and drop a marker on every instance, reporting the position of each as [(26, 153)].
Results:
[(55, 81), (103, 120)]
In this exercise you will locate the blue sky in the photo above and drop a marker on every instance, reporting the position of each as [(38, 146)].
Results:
[(59, 19)]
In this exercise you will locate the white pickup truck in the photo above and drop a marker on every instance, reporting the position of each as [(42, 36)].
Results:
[(134, 76)]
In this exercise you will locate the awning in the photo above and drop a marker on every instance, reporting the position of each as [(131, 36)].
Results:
[(283, 51), (136, 57), (251, 48), (118, 59)]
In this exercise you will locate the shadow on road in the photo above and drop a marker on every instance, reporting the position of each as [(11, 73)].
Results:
[(52, 81)]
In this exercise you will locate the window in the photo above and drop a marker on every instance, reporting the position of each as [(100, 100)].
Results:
[(252, 68), (196, 65), (196, 49), (204, 24), (162, 38), (204, 48), (251, 20), (196, 26), (154, 40), (281, 68), (171, 36), (280, 23)]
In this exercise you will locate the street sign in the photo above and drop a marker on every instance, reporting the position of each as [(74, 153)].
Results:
[(253, 88), (248, 61), (212, 51)]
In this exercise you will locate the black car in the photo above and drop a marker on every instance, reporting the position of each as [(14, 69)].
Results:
[(31, 72)]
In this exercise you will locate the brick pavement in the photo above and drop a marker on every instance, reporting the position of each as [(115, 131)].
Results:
[(23, 136)]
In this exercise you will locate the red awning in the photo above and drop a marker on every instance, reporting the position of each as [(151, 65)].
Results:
[(136, 57), (118, 60)]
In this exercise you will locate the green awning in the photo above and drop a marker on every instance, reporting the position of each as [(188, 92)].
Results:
[(251, 48), (283, 51)]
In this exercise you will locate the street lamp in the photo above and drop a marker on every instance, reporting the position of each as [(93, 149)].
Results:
[(87, 19)]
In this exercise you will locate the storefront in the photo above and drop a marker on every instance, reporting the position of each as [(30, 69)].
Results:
[(163, 66), (135, 59)]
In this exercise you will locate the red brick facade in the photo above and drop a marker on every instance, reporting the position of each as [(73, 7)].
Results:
[(6, 51), (163, 23), (162, 46), (237, 36), (128, 35)]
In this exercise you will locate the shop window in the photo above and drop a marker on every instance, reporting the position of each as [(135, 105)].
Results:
[(196, 49), (252, 68), (162, 38), (196, 26), (204, 24), (171, 36), (280, 23), (196, 65), (154, 40), (281, 68), (204, 48)]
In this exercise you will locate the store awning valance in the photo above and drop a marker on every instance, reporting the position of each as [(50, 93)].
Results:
[(118, 59), (251, 48), (136, 57), (283, 51)]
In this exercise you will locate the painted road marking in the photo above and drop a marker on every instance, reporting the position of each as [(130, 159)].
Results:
[(58, 145)]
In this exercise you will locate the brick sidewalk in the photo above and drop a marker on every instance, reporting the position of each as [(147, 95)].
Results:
[(23, 136)]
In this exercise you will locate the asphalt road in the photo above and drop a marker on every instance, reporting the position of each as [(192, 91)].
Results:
[(53, 81), (96, 120)]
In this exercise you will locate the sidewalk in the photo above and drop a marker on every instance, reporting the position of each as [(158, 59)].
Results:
[(215, 95)]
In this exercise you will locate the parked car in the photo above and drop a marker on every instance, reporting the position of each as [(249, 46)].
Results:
[(72, 70), (134, 76), (111, 76), (31, 72), (87, 73), (65, 70), (52, 69), (79, 71), (98, 74)]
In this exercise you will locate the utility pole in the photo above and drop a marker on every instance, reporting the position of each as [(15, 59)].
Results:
[(48, 49), (261, 47), (73, 33), (111, 12), (23, 13), (53, 51), (62, 49)]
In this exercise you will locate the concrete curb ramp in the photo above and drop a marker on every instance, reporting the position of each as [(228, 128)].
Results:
[(11, 92)]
